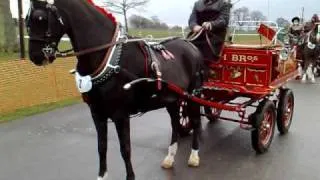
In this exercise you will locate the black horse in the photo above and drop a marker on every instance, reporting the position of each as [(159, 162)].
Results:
[(106, 64), (310, 50)]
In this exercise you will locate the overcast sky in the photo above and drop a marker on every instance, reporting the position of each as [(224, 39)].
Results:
[(178, 11)]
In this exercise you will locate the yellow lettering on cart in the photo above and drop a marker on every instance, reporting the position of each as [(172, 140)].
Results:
[(243, 58), (225, 57)]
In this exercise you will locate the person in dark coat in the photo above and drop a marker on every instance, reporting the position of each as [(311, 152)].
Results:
[(295, 31), (213, 16)]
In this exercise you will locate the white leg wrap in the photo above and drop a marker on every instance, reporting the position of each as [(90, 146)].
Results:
[(194, 159), (169, 159), (105, 177), (172, 150), (300, 70), (309, 71), (304, 78)]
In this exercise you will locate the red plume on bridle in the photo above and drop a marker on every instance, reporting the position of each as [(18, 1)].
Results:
[(104, 12)]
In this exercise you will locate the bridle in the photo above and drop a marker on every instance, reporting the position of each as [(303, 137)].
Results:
[(51, 49), (52, 15)]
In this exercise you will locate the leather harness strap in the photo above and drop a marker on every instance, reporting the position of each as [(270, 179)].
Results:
[(91, 50), (195, 36), (105, 60)]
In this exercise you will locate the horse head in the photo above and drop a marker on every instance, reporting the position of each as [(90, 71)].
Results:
[(48, 20), (45, 28)]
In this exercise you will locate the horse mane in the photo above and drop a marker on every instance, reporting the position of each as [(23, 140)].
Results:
[(104, 12)]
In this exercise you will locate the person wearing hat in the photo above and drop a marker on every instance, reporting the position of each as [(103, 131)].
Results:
[(295, 31), (212, 17), (315, 19)]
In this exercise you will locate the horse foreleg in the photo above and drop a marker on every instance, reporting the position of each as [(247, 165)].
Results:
[(306, 70), (310, 73), (123, 130), (300, 70), (304, 78), (195, 117), (102, 133), (173, 110)]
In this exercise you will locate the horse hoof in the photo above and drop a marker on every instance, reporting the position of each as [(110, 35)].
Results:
[(105, 177), (313, 81), (194, 161), (167, 162)]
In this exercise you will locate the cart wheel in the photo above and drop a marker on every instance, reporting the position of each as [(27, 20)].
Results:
[(213, 114), (184, 121), (285, 111), (264, 120)]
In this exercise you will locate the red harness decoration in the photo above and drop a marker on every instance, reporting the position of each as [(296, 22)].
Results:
[(104, 12), (145, 54)]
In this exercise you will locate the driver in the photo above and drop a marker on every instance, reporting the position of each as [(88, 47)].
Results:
[(315, 19), (295, 31), (213, 16)]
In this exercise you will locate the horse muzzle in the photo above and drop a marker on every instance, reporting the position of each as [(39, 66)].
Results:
[(49, 53)]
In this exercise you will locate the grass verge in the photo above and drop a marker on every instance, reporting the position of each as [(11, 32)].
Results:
[(25, 112)]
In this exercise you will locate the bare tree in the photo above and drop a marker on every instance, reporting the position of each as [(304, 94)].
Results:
[(241, 14), (282, 22), (257, 16), (123, 6)]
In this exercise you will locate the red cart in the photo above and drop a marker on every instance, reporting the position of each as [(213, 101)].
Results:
[(250, 76), (246, 76)]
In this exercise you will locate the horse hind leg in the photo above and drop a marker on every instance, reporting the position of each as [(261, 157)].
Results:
[(195, 118), (173, 110)]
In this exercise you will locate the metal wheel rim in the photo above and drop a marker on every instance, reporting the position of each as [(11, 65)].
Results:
[(266, 127), (288, 112)]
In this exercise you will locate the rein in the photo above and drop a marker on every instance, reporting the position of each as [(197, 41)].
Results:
[(122, 40), (196, 35)]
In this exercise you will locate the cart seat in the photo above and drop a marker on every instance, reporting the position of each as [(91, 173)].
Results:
[(252, 46)]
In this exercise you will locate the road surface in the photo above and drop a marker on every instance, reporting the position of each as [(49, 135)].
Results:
[(61, 145)]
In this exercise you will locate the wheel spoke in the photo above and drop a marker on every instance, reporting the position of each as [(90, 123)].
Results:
[(266, 128), (288, 113)]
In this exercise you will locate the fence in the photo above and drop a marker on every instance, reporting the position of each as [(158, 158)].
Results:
[(22, 84)]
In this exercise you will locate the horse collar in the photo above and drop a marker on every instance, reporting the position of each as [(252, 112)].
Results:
[(108, 67)]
